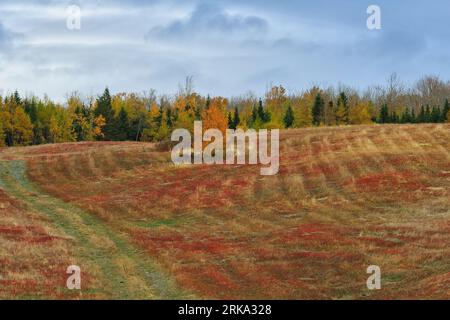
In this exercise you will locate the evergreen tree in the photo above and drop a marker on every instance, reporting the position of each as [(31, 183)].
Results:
[(289, 117), (254, 115), (413, 116), (170, 115), (198, 114), (343, 111), (230, 122), (318, 110), (384, 114), (30, 107), (236, 119), (16, 98), (208, 102), (406, 117), (427, 114), (122, 126), (445, 112), (261, 112), (421, 118), (104, 109), (2, 136), (436, 115), (393, 118)]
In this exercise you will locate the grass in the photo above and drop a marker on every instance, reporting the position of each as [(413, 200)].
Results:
[(123, 272), (345, 198)]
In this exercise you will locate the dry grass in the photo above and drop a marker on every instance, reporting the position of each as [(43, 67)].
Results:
[(34, 255), (345, 198)]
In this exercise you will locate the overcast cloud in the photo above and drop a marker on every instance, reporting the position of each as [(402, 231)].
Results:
[(230, 47)]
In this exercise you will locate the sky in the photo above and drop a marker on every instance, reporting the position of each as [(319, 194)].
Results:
[(229, 47)]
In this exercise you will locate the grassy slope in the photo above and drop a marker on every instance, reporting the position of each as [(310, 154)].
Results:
[(345, 198), (120, 272)]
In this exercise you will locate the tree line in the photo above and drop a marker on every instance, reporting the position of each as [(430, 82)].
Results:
[(147, 117)]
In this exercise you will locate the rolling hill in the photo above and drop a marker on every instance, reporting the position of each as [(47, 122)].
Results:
[(139, 227)]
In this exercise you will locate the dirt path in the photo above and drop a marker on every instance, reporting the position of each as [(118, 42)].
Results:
[(125, 273)]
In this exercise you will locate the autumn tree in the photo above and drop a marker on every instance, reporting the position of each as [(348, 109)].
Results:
[(276, 106), (22, 128), (360, 113), (215, 116)]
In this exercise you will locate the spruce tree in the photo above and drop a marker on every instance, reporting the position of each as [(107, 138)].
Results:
[(445, 112), (122, 126), (16, 98), (343, 111), (384, 114), (104, 108), (436, 115), (318, 110), (236, 119), (413, 116), (406, 117), (427, 114), (289, 117), (261, 112), (208, 102), (421, 118), (230, 122), (254, 116)]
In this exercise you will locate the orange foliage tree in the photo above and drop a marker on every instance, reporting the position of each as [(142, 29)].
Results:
[(215, 117)]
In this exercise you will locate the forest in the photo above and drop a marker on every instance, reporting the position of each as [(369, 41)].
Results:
[(30, 120)]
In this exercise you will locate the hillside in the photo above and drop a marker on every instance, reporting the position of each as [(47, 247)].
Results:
[(345, 198)]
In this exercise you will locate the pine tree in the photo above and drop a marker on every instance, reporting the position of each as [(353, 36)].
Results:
[(289, 118), (318, 110)]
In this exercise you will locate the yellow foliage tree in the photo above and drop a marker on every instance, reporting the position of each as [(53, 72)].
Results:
[(360, 113), (99, 123), (215, 116), (22, 128), (276, 104)]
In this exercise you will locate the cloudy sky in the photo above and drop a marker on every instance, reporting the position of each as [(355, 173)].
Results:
[(229, 47)]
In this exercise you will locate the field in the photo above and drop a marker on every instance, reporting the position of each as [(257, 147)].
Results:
[(140, 227)]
